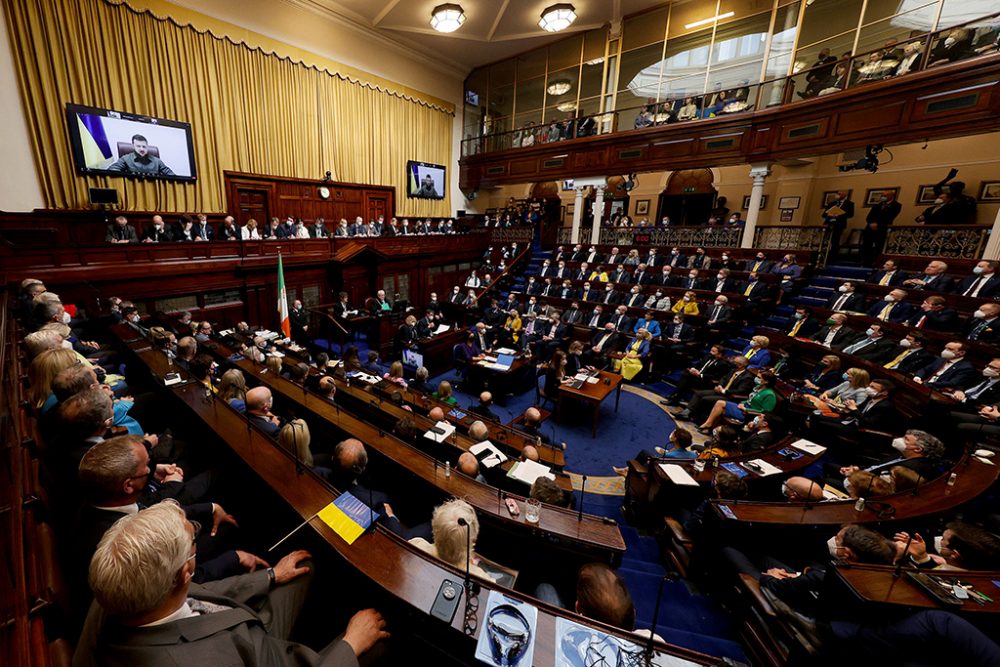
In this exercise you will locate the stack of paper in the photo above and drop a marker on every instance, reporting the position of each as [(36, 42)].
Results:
[(505, 350), (488, 455), (441, 328), (677, 474), (763, 467), (446, 428), (809, 447), (529, 471)]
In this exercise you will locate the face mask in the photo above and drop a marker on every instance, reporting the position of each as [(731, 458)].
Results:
[(608, 288), (800, 316), (889, 298), (938, 543), (977, 270), (687, 298), (842, 288), (949, 41), (66, 345), (830, 322), (720, 276), (66, 319), (699, 252), (760, 257), (845, 376), (990, 372), (719, 303), (831, 546), (677, 321), (870, 391), (939, 201), (979, 315), (869, 332), (133, 318), (757, 381), (659, 294), (882, 200), (725, 258), (692, 276), (673, 252), (899, 444), (947, 354), (905, 343)]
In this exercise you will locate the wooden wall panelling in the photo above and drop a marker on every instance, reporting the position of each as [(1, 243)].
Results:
[(300, 197)]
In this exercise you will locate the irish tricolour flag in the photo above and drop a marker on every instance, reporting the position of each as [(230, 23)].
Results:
[(284, 323)]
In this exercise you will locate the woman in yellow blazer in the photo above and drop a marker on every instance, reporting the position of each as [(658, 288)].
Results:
[(599, 274), (688, 305), (513, 326)]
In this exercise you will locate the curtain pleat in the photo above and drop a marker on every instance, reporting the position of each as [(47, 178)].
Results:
[(250, 110)]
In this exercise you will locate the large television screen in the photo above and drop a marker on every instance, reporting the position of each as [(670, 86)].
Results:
[(425, 181), (116, 143)]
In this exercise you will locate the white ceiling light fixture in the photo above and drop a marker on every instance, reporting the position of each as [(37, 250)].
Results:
[(448, 17), (557, 17), (559, 87), (707, 21), (566, 106)]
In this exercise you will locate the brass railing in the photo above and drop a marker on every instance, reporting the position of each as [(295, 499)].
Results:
[(958, 241), (809, 237)]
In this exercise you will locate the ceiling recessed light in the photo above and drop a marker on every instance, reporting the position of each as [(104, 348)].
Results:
[(559, 87), (448, 17), (557, 17), (709, 20)]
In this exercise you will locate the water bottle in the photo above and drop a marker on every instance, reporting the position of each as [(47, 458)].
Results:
[(951, 478), (859, 505), (447, 468)]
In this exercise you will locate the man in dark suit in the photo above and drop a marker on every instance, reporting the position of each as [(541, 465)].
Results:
[(621, 320), (984, 325), (423, 329), (157, 232), (880, 217), (299, 320), (889, 275), (583, 273), (642, 276), (818, 73), (611, 296), (835, 215), (847, 298), (485, 407), (229, 231), (232, 621), (719, 312), (677, 335), (121, 231), (984, 282), (652, 259), (759, 264), (202, 231), (259, 402), (874, 346), (702, 375), (761, 436), (951, 371), (933, 279), (568, 292), (755, 289), (320, 231), (457, 297), (615, 257), (593, 257), (692, 281), (578, 255), (892, 308), (573, 314), (665, 278), (919, 451), (533, 286), (910, 355), (603, 343), (595, 318), (554, 335), (835, 334), (676, 259), (735, 385), (721, 282), (636, 299), (801, 324), (934, 316), (484, 339), (620, 275), (986, 390)]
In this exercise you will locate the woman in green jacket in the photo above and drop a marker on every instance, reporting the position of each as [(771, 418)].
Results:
[(763, 399)]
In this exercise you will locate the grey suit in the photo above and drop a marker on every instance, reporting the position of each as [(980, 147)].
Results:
[(253, 632)]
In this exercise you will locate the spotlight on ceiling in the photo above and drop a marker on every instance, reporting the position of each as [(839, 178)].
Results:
[(559, 87), (448, 17), (557, 17)]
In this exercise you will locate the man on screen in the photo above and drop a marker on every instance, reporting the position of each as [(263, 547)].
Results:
[(139, 161), (427, 188)]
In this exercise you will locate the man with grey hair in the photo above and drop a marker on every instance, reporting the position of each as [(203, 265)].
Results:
[(918, 450), (468, 465), (455, 527), (478, 431), (149, 612), (259, 402)]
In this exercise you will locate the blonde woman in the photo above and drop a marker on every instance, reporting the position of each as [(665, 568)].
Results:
[(453, 540), (635, 354), (233, 388), (632, 259), (688, 305), (444, 393), (513, 326), (273, 365), (294, 437), (395, 374), (42, 369), (249, 231), (851, 390)]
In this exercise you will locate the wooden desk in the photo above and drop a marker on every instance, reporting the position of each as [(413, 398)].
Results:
[(879, 584), (501, 382), (934, 497), (592, 394), (437, 350)]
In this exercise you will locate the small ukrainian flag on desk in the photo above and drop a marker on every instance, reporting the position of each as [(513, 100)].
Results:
[(348, 517)]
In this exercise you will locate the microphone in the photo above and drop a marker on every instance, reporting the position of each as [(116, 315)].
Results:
[(652, 624), (809, 493), (583, 492), (916, 488), (906, 550), (299, 470)]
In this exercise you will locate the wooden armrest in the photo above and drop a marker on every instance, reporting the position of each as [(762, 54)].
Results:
[(637, 466), (752, 586), (872, 432), (677, 530)]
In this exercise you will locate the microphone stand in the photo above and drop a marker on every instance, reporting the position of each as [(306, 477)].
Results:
[(808, 504), (906, 553), (916, 487), (583, 492), (648, 653)]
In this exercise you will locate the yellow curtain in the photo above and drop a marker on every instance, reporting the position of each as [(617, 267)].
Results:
[(249, 110)]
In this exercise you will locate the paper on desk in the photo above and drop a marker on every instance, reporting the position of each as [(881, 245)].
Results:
[(677, 474), (505, 350), (488, 454), (441, 328), (582, 376), (809, 447), (529, 471), (592, 380), (364, 377), (765, 467), (444, 426)]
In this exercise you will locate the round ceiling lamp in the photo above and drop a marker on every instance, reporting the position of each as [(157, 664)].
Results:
[(448, 17), (557, 17), (559, 87), (566, 106)]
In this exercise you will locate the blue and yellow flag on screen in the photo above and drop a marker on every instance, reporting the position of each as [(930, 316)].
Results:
[(93, 140)]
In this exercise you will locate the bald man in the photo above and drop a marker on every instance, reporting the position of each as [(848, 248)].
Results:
[(468, 465), (802, 489), (484, 409), (259, 403), (437, 414), (529, 453), (478, 431), (532, 428)]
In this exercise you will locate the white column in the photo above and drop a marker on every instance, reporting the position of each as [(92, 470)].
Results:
[(577, 214), (992, 249), (759, 174), (595, 234)]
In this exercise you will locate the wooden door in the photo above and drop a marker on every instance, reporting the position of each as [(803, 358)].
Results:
[(252, 203), (377, 205)]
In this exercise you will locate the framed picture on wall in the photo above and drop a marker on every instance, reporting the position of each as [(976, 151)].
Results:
[(642, 207), (872, 195), (830, 196), (989, 191), (746, 202), (786, 214), (926, 195), (786, 203), (567, 184)]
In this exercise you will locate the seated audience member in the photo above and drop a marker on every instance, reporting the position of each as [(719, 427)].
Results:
[(917, 450), (984, 325), (801, 324), (760, 433), (485, 407), (951, 371), (294, 437), (962, 546), (468, 465), (933, 279), (395, 374), (802, 489), (851, 391), (702, 375), (825, 376), (327, 388), (229, 231), (555, 375), (649, 324), (601, 594), (723, 442), (865, 484), (934, 315), (718, 314), (892, 307), (156, 232), (874, 346), (420, 383), (372, 366), (141, 575), (233, 389), (602, 344), (736, 384), (636, 354), (680, 442), (454, 525), (762, 399), (444, 393), (658, 301), (121, 231), (202, 230), (983, 283), (249, 231), (258, 410), (688, 304), (756, 352), (755, 290), (184, 229), (547, 491), (889, 275), (909, 356), (847, 300), (877, 413), (835, 335)]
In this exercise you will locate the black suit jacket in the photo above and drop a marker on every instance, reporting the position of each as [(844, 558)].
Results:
[(636, 300), (912, 362), (961, 375), (808, 328), (162, 236), (896, 278), (758, 441), (760, 290), (855, 302), (986, 332), (900, 312), (724, 314), (876, 351), (841, 339), (614, 297), (621, 322), (690, 283), (989, 290), (741, 386), (609, 344), (643, 278), (715, 370), (621, 276), (687, 332), (758, 265), (945, 319)]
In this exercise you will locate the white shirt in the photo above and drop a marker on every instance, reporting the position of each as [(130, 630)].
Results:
[(248, 233), (184, 611)]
